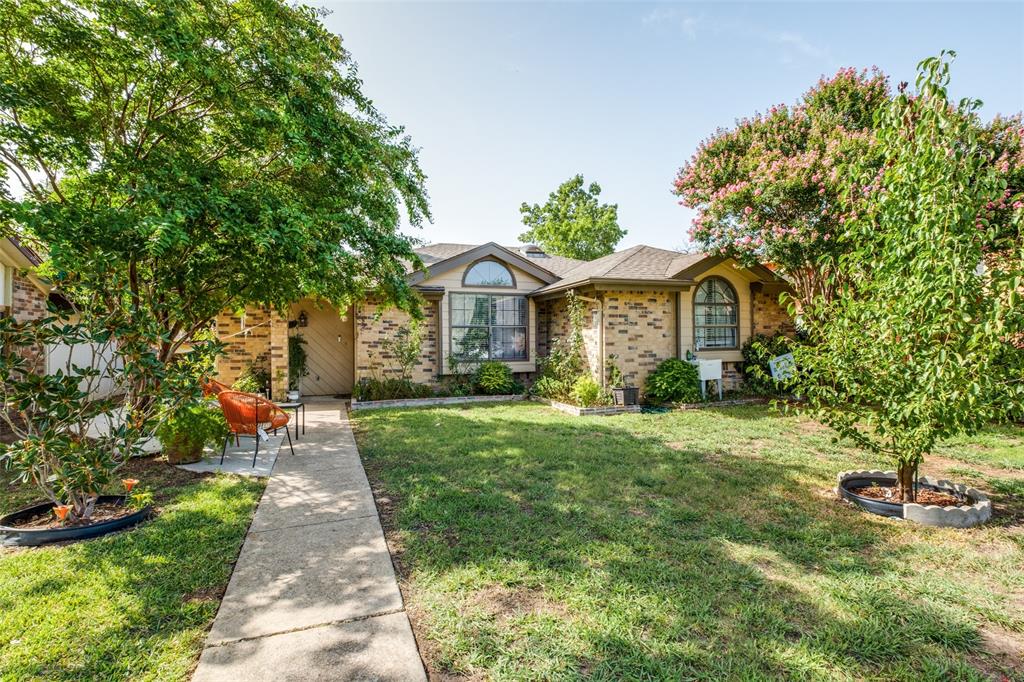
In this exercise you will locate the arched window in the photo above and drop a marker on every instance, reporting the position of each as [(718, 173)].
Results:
[(715, 315), (488, 273)]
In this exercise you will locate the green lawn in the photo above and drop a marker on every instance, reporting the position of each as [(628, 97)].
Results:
[(130, 606), (687, 545)]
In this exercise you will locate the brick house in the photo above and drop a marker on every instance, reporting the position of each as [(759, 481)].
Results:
[(643, 305), (23, 296)]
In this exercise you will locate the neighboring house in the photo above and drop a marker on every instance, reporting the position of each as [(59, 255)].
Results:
[(644, 305)]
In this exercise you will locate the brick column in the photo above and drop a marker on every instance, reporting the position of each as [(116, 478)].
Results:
[(278, 356)]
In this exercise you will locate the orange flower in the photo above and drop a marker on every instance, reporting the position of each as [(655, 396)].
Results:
[(129, 483), (61, 510)]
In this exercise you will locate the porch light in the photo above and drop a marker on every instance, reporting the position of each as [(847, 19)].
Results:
[(303, 319)]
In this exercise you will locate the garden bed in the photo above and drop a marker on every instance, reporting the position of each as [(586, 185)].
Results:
[(427, 402), (37, 525), (596, 411), (940, 502)]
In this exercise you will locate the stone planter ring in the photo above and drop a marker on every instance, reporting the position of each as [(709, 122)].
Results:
[(977, 508)]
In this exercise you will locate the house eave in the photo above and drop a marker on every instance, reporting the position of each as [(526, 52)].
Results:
[(612, 284), (484, 250)]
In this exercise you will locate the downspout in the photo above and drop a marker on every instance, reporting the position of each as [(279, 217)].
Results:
[(678, 325), (600, 336)]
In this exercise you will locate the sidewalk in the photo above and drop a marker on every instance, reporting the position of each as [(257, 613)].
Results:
[(313, 595)]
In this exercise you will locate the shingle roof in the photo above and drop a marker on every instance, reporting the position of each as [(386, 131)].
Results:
[(642, 263), (435, 253)]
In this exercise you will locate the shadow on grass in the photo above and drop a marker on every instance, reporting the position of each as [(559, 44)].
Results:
[(709, 558), (129, 605)]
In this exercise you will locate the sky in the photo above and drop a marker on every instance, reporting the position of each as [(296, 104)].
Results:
[(505, 101)]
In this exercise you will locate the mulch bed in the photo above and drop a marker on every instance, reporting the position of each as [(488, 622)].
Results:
[(924, 496), (106, 511)]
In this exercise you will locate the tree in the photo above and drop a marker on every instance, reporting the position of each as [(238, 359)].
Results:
[(191, 157), (914, 346), (771, 190), (572, 223)]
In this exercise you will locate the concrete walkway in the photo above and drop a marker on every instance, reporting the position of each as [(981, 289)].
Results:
[(313, 595)]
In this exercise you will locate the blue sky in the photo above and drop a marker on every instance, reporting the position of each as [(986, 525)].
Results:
[(507, 100)]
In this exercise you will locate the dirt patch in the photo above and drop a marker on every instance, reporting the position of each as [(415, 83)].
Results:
[(505, 603), (205, 594), (924, 496), (939, 467), (1004, 651)]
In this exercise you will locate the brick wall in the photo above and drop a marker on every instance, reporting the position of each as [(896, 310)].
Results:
[(554, 326), (640, 330), (770, 316), (242, 350), (27, 303), (373, 334)]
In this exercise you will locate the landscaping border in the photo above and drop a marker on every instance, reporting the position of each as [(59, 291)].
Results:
[(601, 411), (721, 403), (962, 516), (427, 402)]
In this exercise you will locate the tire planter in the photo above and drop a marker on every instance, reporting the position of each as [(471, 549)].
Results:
[(29, 537), (977, 508)]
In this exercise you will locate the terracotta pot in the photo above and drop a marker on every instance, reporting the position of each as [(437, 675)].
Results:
[(183, 455)]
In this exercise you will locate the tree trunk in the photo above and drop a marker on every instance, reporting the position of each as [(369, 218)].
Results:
[(905, 475)]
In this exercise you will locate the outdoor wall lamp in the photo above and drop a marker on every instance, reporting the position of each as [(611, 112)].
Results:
[(303, 319)]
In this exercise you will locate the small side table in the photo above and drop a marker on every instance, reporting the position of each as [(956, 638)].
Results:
[(296, 405)]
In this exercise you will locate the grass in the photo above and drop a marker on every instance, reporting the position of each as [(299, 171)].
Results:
[(133, 605), (686, 545)]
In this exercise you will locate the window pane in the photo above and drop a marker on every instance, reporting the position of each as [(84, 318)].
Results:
[(471, 343), (718, 337), (470, 309), (508, 343), (509, 311), (714, 291), (715, 314), (489, 273)]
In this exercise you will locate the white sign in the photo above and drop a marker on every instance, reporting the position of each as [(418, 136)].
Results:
[(783, 367)]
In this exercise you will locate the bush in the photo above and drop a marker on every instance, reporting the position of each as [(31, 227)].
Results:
[(185, 432), (298, 361), (391, 389), (493, 378), (587, 393), (254, 379), (552, 389), (674, 381), (757, 351)]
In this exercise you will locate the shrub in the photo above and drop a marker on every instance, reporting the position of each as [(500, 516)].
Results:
[(493, 378), (674, 381), (757, 351), (391, 389), (297, 361), (405, 348), (616, 379), (186, 430), (551, 388), (587, 393), (255, 379)]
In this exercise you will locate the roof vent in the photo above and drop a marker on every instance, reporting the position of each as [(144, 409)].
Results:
[(534, 251)]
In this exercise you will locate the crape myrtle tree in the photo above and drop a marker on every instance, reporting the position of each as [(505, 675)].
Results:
[(573, 223), (770, 189), (915, 345), (193, 156)]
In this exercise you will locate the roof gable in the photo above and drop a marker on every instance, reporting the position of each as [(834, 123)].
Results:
[(438, 261)]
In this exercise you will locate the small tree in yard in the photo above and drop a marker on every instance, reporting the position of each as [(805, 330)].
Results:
[(914, 346), (573, 223)]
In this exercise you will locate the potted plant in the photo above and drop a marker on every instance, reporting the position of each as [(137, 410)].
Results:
[(187, 430), (622, 394), (297, 365)]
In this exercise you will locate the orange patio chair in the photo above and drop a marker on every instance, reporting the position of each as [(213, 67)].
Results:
[(213, 387), (248, 415)]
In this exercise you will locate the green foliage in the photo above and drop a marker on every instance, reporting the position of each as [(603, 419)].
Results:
[(373, 388), (254, 379), (572, 223), (616, 379), (915, 348), (297, 361), (191, 157), (757, 351), (405, 346), (189, 428), (551, 388), (493, 378), (588, 393), (75, 428), (673, 381)]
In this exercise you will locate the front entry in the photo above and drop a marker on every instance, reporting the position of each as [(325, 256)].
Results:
[(330, 348)]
